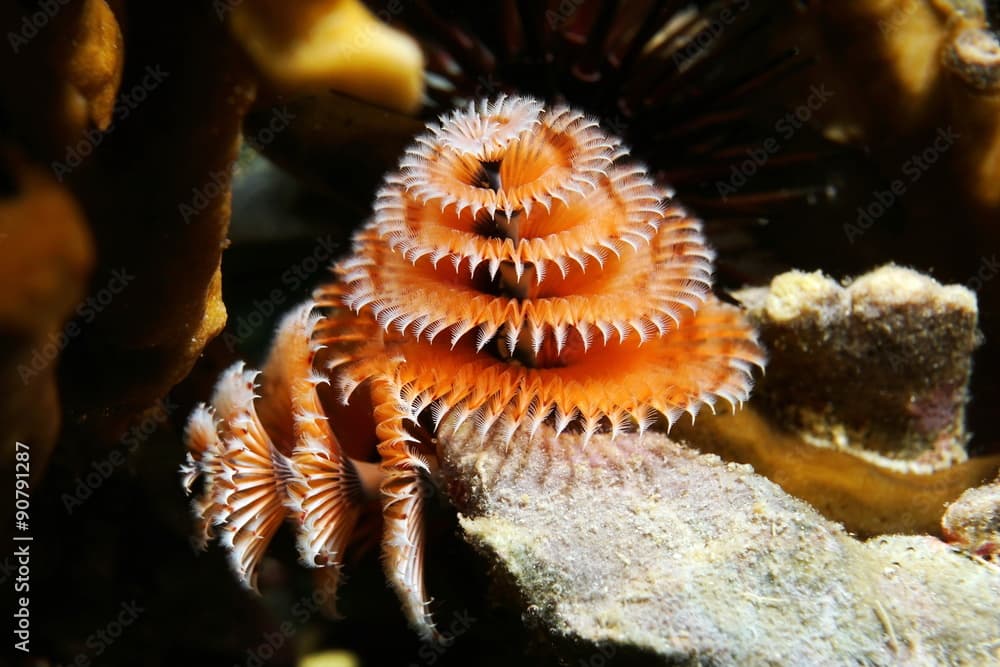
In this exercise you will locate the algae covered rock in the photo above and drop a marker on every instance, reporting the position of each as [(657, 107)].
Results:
[(879, 367), (645, 551), (972, 522), (862, 410)]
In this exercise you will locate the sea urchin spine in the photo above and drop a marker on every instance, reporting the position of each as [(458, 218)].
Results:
[(518, 271)]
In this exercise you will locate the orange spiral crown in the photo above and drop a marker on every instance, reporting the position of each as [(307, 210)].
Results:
[(552, 268), (518, 271)]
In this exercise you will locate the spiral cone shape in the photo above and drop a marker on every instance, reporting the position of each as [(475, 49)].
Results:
[(519, 271), (523, 270)]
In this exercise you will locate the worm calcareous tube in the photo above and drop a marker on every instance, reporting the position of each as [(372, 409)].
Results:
[(518, 272)]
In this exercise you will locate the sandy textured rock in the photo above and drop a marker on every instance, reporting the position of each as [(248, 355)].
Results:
[(973, 521), (878, 368), (647, 550), (913, 82), (868, 499), (862, 410)]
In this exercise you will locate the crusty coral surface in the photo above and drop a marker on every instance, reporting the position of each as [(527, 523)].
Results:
[(651, 553), (862, 411), (878, 367), (972, 522)]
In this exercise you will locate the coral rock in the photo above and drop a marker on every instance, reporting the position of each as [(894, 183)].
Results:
[(336, 44), (94, 68), (861, 412), (653, 551), (973, 521), (61, 83), (867, 498), (919, 79), (46, 255), (163, 225), (878, 368)]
